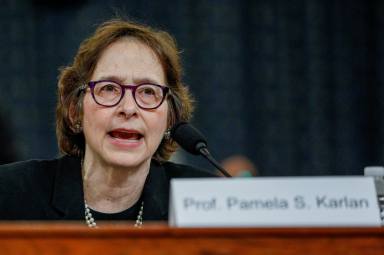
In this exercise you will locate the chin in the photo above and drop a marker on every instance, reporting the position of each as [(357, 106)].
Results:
[(129, 160)]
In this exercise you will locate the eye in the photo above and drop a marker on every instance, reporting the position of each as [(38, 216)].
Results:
[(149, 91), (109, 88), (106, 89)]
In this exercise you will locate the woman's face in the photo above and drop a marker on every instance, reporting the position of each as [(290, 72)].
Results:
[(124, 135)]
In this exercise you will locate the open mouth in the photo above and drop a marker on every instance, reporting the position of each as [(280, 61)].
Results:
[(125, 135)]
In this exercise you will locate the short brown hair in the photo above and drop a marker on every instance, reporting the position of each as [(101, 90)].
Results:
[(69, 104)]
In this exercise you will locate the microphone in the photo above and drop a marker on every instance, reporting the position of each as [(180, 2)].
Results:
[(191, 140)]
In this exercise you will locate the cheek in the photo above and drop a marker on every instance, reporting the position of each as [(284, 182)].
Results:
[(92, 116), (159, 123)]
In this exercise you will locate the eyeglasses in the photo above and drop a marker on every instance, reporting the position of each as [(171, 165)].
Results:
[(146, 95)]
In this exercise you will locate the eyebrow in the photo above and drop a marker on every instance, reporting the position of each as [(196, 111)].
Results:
[(120, 79)]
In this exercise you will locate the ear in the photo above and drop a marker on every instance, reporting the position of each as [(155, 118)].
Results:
[(75, 113)]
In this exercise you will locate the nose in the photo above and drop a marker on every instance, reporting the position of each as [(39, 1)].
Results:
[(127, 106)]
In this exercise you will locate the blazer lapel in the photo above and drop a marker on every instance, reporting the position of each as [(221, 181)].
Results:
[(68, 197), (156, 193)]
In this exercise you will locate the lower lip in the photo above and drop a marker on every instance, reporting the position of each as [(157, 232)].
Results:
[(125, 143)]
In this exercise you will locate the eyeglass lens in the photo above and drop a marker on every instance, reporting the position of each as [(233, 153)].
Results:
[(108, 93)]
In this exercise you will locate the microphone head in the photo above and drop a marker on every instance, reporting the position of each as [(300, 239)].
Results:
[(188, 137)]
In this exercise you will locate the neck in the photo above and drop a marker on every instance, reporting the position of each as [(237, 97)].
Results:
[(112, 188)]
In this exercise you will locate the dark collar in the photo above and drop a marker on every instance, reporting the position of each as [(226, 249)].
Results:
[(68, 196)]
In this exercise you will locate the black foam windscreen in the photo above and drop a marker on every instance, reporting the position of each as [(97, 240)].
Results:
[(188, 137)]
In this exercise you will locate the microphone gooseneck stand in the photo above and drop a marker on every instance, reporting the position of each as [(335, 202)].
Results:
[(191, 140)]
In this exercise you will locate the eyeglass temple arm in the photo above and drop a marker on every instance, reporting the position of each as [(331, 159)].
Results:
[(81, 89)]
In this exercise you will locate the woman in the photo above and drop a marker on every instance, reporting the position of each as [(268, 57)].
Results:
[(116, 104)]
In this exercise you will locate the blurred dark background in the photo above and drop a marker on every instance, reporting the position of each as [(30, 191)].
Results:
[(294, 85)]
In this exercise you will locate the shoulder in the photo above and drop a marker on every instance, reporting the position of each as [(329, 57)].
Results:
[(175, 170), (30, 188), (23, 168), (23, 184), (26, 176), (35, 171)]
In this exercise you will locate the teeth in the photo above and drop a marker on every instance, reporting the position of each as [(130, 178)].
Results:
[(125, 135)]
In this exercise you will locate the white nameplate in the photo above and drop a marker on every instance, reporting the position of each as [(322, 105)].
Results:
[(264, 201)]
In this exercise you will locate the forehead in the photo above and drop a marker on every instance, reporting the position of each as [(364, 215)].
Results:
[(130, 59)]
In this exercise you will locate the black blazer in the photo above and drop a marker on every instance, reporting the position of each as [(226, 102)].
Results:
[(53, 189)]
